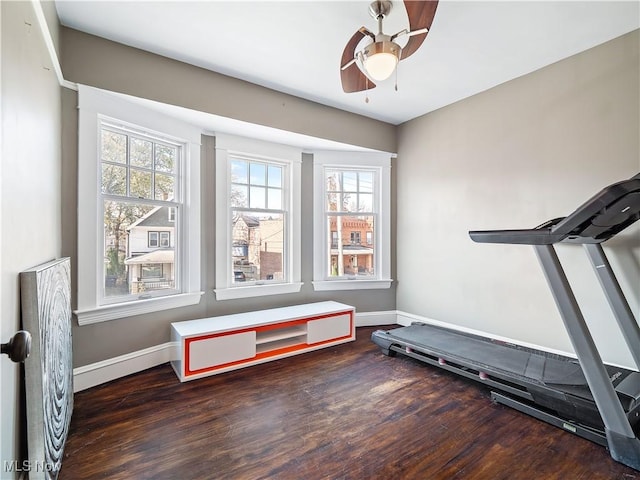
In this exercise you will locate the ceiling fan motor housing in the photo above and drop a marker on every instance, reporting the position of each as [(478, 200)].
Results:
[(384, 46), (380, 8)]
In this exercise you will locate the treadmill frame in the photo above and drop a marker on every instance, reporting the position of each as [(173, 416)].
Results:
[(623, 444)]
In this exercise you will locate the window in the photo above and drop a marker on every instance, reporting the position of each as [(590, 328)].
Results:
[(160, 239), (257, 218), (153, 239), (164, 239), (138, 233), (351, 202), (153, 270)]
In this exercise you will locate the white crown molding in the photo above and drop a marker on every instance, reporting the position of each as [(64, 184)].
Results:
[(46, 35)]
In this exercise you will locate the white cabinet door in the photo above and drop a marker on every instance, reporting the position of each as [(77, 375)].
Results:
[(328, 328), (209, 352)]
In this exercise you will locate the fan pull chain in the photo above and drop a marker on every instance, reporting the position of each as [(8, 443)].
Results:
[(396, 85), (366, 90)]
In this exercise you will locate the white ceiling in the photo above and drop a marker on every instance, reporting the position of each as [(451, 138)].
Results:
[(295, 46)]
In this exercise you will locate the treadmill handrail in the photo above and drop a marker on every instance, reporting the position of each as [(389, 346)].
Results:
[(579, 226)]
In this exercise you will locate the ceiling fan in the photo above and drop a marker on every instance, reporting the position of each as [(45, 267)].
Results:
[(378, 59)]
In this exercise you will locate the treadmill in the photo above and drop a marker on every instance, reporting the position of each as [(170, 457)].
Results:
[(583, 396)]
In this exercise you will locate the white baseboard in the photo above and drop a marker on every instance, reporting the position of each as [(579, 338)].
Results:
[(405, 319), (97, 373)]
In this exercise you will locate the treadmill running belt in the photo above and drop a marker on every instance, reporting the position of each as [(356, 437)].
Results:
[(492, 357)]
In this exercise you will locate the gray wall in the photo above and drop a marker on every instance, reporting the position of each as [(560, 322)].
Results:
[(515, 156), (30, 189), (112, 66), (101, 63)]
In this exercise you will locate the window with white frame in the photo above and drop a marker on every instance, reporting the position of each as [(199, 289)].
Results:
[(138, 232), (257, 218), (351, 204)]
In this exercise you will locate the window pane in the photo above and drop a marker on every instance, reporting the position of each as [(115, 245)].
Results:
[(114, 179), (140, 186), (365, 202), (366, 182), (333, 181), (348, 254), (128, 250), (274, 200), (239, 171), (257, 197), (141, 153), (332, 202), (114, 147), (349, 202), (165, 187), (238, 196), (258, 174), (166, 157), (350, 181), (258, 246), (275, 176)]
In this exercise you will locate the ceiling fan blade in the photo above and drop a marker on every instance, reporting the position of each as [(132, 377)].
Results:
[(420, 15), (353, 80)]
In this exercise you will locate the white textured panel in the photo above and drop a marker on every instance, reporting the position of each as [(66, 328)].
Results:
[(220, 350), (328, 328)]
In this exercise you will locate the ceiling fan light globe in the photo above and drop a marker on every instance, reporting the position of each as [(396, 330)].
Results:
[(381, 58), (381, 65)]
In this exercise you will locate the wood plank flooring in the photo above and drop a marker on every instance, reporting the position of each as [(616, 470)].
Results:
[(346, 412)]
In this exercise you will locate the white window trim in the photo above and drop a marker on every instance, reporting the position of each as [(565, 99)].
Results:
[(94, 103), (382, 238), (227, 145)]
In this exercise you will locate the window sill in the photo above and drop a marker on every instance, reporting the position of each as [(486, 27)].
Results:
[(138, 307), (355, 284), (232, 293)]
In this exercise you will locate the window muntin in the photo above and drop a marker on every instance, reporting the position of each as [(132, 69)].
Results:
[(259, 246), (139, 190)]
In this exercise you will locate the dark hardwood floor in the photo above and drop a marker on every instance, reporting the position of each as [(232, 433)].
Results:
[(346, 412)]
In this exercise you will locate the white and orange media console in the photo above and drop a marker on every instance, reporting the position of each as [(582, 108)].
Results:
[(213, 345)]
